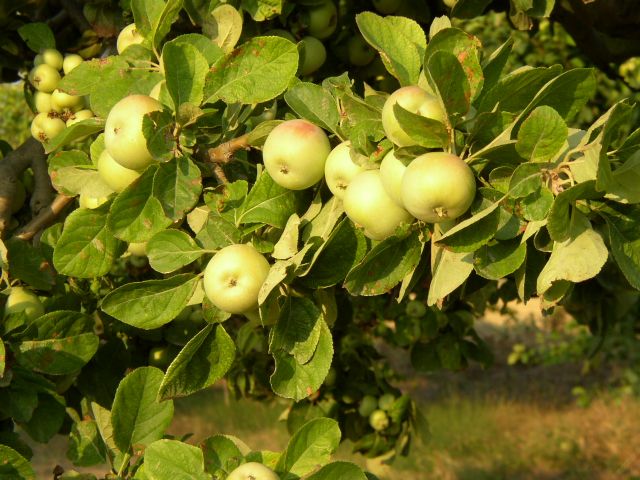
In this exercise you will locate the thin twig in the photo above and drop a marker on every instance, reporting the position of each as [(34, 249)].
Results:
[(45, 218), (224, 152), (43, 193)]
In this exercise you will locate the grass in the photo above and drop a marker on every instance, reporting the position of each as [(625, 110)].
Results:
[(16, 116)]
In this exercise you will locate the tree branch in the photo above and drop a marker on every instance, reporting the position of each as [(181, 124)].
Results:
[(45, 218), (224, 152), (43, 193)]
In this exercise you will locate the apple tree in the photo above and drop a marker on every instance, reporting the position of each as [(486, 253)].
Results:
[(236, 191)]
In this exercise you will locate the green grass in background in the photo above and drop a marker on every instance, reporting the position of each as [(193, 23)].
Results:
[(15, 116)]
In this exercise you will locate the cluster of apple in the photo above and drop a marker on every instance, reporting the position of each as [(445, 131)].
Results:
[(376, 410), (434, 187), (55, 109)]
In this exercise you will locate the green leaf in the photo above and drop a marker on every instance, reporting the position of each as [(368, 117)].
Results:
[(152, 303), (314, 103), (177, 185), (470, 234), (28, 263), (576, 259), (220, 450), (174, 460), (90, 75), (154, 18), (3, 359), (269, 203), (185, 69), (204, 45), (536, 205), (310, 447), (449, 271), (468, 79), (399, 51), (341, 470), (47, 418), (429, 133), (499, 260), (218, 233), (298, 329), (138, 418), (62, 342), (172, 249), (297, 381), (261, 10), (85, 445), (87, 248), (203, 361), (14, 466), (37, 36), (384, 266), (559, 225), (257, 71), (542, 135), (75, 132), (624, 236), (469, 8), (224, 26), (136, 214)]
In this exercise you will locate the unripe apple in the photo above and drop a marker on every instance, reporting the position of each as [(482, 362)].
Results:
[(63, 101), (89, 202), (294, 154), (44, 78), (313, 54), (437, 187), (415, 100), (387, 7), (378, 420), (52, 57), (368, 404), (70, 62), (234, 276), (42, 102), (340, 169), (386, 401), (138, 248), (23, 300), (367, 204), (38, 60), (123, 135), (113, 174), (79, 116), (391, 171), (450, 3), (360, 52), (322, 20), (160, 357), (127, 37), (253, 471), (45, 126)]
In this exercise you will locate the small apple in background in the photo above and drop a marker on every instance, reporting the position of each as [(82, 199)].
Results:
[(51, 57), (295, 153), (386, 401), (79, 116), (437, 187), (322, 20), (450, 3), (313, 54), (378, 420), (161, 357), (123, 135), (63, 101), (234, 276), (42, 102), (70, 62), (359, 51), (253, 471), (387, 7), (89, 202), (44, 78), (415, 100), (138, 248), (45, 126), (367, 204), (127, 37), (391, 172), (115, 175), (367, 406), (340, 169), (24, 300)]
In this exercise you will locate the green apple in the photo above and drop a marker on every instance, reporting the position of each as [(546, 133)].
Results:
[(387, 7), (416, 309), (42, 102), (313, 54), (253, 471), (360, 52), (438, 187), (160, 357), (368, 404), (90, 202), (340, 169), (79, 116), (46, 126), (61, 101), (52, 57), (391, 171), (295, 153), (44, 78), (138, 248), (415, 100), (386, 401), (123, 135), (367, 204), (234, 276), (450, 3), (378, 420), (70, 62), (127, 37), (23, 300), (322, 20), (115, 175)]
